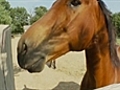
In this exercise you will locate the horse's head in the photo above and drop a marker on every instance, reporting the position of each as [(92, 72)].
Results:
[(68, 26)]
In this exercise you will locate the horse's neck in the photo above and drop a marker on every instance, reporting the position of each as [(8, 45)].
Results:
[(99, 64), (100, 67)]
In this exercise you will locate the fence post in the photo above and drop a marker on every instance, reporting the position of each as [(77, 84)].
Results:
[(6, 65)]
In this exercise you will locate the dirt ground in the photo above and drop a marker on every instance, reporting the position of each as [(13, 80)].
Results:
[(67, 76)]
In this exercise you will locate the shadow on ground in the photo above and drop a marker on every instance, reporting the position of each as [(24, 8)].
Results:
[(25, 88), (67, 86), (60, 86)]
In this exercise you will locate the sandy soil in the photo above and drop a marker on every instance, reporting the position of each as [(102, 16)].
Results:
[(67, 76)]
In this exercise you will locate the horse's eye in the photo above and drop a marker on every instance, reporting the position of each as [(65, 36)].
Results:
[(75, 3)]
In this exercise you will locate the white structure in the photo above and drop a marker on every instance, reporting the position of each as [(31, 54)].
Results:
[(26, 27)]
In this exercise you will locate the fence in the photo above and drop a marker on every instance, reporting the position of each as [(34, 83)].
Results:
[(6, 65)]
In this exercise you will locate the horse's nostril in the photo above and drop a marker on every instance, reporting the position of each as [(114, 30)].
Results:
[(42, 57), (24, 48)]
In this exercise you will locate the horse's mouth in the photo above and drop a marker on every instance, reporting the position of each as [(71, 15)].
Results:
[(38, 66)]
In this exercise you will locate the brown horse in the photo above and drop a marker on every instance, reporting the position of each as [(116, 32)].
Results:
[(74, 25)]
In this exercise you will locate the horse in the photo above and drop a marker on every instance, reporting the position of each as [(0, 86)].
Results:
[(74, 25)]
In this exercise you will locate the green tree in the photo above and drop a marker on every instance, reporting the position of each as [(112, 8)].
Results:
[(4, 12), (39, 12), (5, 4), (116, 22), (19, 17)]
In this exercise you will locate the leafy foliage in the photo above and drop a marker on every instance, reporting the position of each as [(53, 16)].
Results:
[(116, 22), (4, 12), (39, 12), (19, 17), (5, 4)]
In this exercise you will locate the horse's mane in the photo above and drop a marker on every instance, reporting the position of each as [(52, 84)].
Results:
[(111, 32)]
